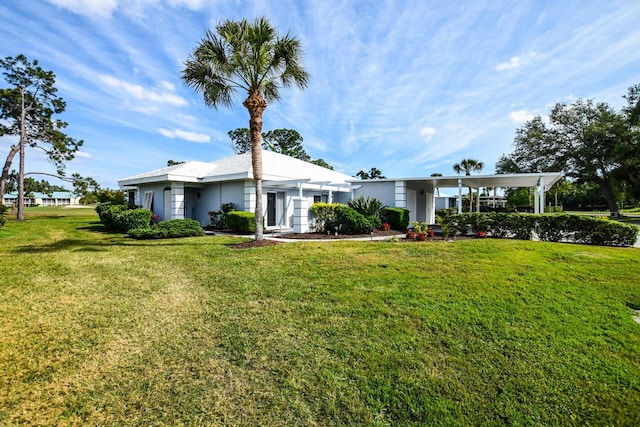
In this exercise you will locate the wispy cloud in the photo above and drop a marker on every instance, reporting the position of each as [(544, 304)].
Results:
[(185, 135), (518, 61), (87, 7), (141, 93)]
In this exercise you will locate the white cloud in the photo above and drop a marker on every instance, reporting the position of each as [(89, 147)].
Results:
[(427, 132), (517, 61), (141, 93), (83, 154), (87, 7), (521, 116), (186, 135)]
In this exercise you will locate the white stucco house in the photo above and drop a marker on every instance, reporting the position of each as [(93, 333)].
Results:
[(291, 186)]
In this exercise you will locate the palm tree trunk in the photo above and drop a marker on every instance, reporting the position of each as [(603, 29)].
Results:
[(256, 104)]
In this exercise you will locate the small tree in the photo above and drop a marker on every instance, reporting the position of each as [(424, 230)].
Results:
[(26, 110)]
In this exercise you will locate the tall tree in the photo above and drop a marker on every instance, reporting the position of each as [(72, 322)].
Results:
[(588, 141), (373, 173), (250, 57), (240, 140), (283, 141), (467, 166), (287, 142), (321, 162), (26, 110)]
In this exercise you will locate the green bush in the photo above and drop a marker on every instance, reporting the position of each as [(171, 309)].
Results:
[(324, 213), (168, 229), (548, 227), (367, 206), (219, 218), (397, 218), (108, 213), (241, 222), (348, 221), (132, 218), (375, 221)]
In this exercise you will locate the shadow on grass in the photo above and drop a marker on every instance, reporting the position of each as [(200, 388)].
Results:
[(73, 245)]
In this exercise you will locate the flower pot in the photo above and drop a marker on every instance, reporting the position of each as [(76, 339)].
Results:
[(421, 236), (431, 232)]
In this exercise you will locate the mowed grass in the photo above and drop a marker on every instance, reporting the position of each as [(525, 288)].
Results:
[(99, 329)]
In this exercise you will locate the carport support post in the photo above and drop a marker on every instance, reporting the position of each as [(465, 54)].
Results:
[(542, 201), (459, 195)]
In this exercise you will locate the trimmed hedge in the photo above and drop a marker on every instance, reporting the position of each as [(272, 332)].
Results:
[(324, 214), (547, 227), (168, 229), (397, 218), (349, 221), (241, 222), (133, 218)]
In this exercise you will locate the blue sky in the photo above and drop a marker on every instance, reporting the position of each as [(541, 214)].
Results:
[(410, 87)]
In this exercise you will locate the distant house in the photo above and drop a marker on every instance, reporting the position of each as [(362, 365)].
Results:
[(291, 186), (57, 198)]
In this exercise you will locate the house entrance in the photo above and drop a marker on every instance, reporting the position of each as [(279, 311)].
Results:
[(271, 209), (275, 209)]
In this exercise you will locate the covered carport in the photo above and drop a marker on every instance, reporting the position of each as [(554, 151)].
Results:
[(418, 194)]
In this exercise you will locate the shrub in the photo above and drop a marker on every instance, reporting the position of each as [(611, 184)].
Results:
[(241, 222), (397, 218), (168, 229), (375, 221), (108, 213), (367, 206), (324, 213), (132, 218), (3, 210), (219, 218), (349, 221), (549, 227)]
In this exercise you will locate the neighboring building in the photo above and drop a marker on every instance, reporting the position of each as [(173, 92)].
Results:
[(57, 198), (290, 186)]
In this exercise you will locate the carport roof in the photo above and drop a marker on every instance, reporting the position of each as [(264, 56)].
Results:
[(478, 181)]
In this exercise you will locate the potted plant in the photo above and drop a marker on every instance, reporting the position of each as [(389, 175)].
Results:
[(420, 230)]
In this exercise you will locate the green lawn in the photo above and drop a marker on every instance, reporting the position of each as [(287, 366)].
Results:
[(99, 329)]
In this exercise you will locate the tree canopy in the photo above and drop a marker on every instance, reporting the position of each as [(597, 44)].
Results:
[(249, 57), (283, 141), (589, 141), (373, 173), (27, 110)]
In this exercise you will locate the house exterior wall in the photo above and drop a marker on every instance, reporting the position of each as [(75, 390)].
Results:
[(385, 191)]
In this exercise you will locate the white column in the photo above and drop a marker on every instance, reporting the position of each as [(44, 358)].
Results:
[(478, 200), (459, 195), (536, 200), (249, 196), (401, 194), (542, 201), (300, 215), (177, 200), (330, 199)]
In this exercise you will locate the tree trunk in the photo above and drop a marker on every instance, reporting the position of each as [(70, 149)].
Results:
[(22, 143), (608, 195), (256, 104), (5, 170)]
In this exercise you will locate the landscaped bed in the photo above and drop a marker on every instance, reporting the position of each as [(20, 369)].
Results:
[(101, 329)]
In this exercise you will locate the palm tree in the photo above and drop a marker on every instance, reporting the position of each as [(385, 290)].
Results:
[(252, 57), (467, 166)]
